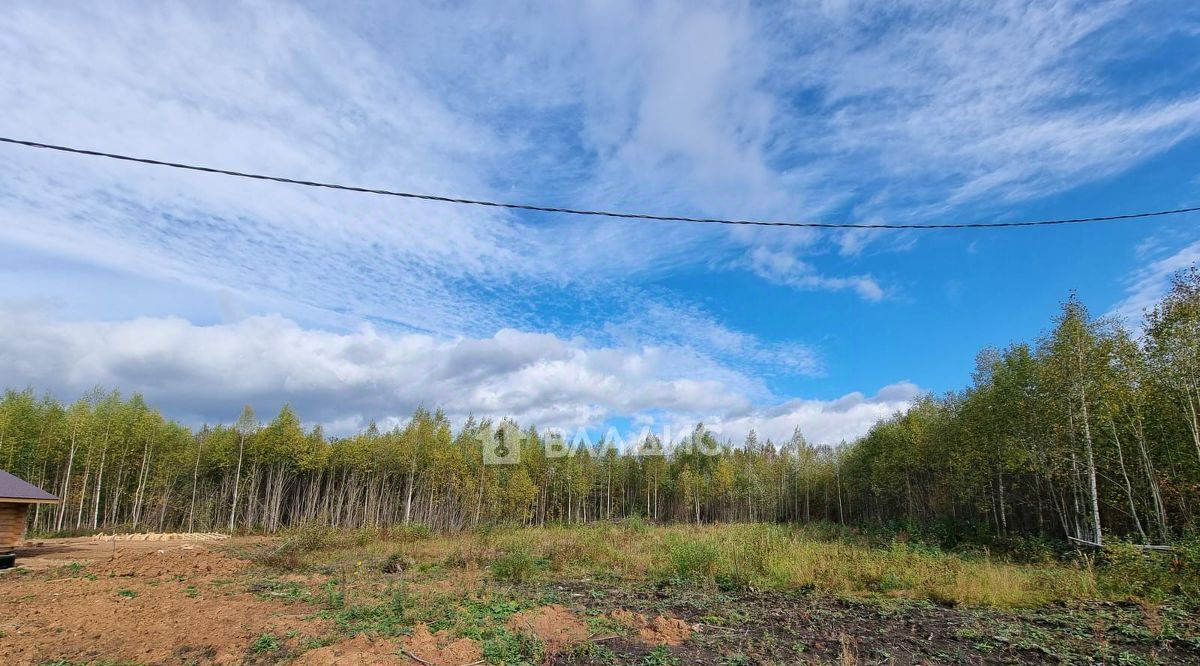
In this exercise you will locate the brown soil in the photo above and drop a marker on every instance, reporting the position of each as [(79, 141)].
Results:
[(40, 554), (439, 649), (161, 536), (359, 651), (186, 561), (555, 625), (658, 630), (165, 606)]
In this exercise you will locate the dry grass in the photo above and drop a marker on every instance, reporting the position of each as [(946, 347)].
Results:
[(753, 556)]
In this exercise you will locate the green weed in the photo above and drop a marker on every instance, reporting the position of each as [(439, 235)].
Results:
[(516, 566), (265, 643), (660, 656)]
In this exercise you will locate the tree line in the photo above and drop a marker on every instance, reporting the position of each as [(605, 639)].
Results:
[(1090, 431)]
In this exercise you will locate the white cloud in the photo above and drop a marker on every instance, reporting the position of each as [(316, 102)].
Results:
[(205, 373), (782, 267), (684, 327), (260, 89), (825, 421), (850, 110), (929, 108), (1147, 285), (788, 111)]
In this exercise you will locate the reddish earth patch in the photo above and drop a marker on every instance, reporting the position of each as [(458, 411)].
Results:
[(658, 630), (439, 649), (359, 651), (555, 625), (146, 608)]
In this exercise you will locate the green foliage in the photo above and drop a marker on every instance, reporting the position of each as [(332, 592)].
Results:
[(127, 593), (1030, 549), (396, 563), (511, 647), (691, 560), (516, 566), (660, 656), (594, 652), (415, 532), (335, 596), (1131, 571), (265, 643), (381, 618), (635, 523)]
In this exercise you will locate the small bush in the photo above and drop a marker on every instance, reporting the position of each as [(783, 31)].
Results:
[(1032, 550), (692, 560), (413, 532), (635, 523), (287, 555), (456, 559), (1186, 566), (516, 566), (397, 563), (1129, 570)]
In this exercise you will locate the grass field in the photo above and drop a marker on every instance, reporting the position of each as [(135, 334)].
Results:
[(603, 594), (725, 557)]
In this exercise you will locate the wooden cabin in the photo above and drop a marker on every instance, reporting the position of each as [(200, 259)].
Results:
[(15, 497)]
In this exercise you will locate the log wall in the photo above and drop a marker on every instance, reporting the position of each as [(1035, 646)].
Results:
[(12, 525)]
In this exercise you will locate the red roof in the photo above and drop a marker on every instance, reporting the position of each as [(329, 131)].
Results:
[(13, 489)]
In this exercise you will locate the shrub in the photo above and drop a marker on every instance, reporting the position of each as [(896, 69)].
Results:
[(287, 555), (1129, 570), (564, 552), (1186, 566), (516, 566), (1033, 550), (413, 532), (692, 560), (635, 523), (397, 562)]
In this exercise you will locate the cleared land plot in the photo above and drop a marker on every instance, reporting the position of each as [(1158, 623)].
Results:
[(597, 595)]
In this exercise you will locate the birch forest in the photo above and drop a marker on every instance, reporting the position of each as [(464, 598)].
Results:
[(1090, 432)]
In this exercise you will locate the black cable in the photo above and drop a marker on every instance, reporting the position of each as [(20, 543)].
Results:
[(594, 213)]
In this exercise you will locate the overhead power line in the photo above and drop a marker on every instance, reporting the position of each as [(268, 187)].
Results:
[(592, 213)]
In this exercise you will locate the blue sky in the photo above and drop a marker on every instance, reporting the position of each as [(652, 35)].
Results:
[(206, 293)]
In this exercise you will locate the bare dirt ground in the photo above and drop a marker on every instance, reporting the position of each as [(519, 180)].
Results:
[(172, 601), (40, 554)]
